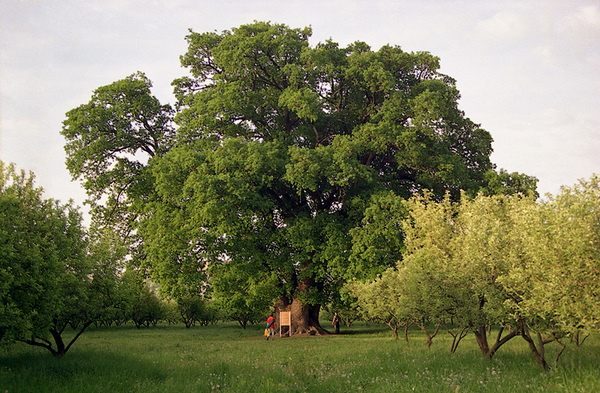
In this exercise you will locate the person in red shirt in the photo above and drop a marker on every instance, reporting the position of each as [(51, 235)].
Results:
[(271, 326)]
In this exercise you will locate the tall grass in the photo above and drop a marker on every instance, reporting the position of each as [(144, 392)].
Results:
[(226, 358)]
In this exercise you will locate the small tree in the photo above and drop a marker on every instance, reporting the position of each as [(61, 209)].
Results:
[(530, 268), (453, 262), (346, 304), (128, 287), (28, 260), (192, 309), (558, 287), (243, 297), (487, 248), (148, 310), (383, 300), (46, 268), (108, 254)]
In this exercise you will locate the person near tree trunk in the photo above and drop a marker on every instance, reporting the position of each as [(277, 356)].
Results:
[(270, 326), (336, 323)]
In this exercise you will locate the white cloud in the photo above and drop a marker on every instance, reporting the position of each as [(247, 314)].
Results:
[(504, 25), (585, 18)]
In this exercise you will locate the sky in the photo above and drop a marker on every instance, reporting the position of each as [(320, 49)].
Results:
[(528, 71)]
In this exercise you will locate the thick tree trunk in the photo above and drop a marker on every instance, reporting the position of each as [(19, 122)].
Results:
[(60, 344), (304, 317)]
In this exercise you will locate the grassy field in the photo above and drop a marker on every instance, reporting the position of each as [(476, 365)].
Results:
[(225, 358)]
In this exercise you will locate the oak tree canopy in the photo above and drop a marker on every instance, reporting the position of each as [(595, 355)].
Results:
[(286, 164)]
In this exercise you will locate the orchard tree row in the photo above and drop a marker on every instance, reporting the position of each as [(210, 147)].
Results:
[(532, 269), (52, 274), (55, 276)]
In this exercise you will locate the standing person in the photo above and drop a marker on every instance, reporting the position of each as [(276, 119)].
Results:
[(336, 323), (270, 326)]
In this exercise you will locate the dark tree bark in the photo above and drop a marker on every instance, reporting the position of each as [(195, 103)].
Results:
[(61, 347), (482, 340), (304, 317)]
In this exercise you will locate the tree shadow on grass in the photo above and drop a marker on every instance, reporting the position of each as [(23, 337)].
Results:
[(355, 330), (89, 371)]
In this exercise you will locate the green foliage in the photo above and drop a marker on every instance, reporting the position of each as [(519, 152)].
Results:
[(289, 163), (109, 141), (290, 159), (459, 256), (45, 267), (29, 258), (346, 305), (110, 295), (531, 268), (241, 296), (55, 275), (378, 242), (563, 247), (196, 310), (382, 300), (502, 182), (148, 309)]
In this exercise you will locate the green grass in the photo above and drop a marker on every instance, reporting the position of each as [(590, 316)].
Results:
[(226, 358)]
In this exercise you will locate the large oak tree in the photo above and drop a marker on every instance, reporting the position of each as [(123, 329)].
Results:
[(287, 163), (284, 148)]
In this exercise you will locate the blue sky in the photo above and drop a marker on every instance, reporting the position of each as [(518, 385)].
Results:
[(528, 71)]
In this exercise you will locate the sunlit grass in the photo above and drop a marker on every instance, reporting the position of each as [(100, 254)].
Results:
[(226, 358)]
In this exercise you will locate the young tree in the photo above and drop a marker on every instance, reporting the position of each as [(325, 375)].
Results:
[(148, 309), (568, 274), (241, 296), (282, 148), (489, 246), (44, 265), (192, 309), (29, 259), (529, 267), (345, 303), (561, 276), (108, 253), (384, 300), (457, 257), (434, 290)]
